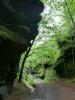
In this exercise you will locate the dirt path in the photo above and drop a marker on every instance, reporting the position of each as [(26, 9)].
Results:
[(56, 91), (67, 92)]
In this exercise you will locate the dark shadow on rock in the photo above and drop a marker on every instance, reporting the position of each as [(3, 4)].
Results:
[(18, 26), (21, 16), (1, 98)]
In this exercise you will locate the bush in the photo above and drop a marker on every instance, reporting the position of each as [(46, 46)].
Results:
[(50, 75)]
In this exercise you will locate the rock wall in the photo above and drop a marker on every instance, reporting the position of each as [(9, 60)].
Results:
[(18, 26)]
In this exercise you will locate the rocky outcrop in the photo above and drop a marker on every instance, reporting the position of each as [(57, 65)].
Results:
[(18, 26)]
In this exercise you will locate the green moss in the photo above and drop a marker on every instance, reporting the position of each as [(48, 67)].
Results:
[(14, 36)]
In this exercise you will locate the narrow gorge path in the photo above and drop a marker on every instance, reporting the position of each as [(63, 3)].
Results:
[(43, 91)]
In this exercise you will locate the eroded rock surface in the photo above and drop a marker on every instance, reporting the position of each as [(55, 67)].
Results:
[(18, 26)]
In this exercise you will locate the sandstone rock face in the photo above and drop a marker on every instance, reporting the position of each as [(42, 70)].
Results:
[(18, 26)]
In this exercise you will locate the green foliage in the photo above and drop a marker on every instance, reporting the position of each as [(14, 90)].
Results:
[(40, 58), (41, 71), (56, 40), (28, 79), (48, 53), (50, 75)]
